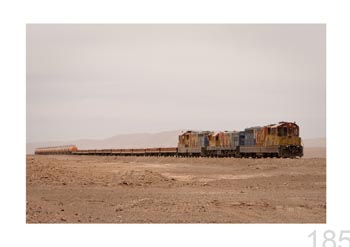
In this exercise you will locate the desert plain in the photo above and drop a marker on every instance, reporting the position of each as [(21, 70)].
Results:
[(116, 189)]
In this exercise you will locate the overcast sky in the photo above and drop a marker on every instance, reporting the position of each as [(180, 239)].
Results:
[(96, 81)]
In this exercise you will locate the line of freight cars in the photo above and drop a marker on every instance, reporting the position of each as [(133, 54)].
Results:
[(274, 140)]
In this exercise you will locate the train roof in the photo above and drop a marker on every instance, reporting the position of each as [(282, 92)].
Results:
[(63, 146), (281, 124), (253, 128), (196, 132)]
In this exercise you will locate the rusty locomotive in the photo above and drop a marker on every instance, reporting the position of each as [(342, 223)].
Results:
[(280, 140), (275, 140)]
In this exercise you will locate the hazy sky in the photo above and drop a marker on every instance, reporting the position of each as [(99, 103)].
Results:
[(96, 81)]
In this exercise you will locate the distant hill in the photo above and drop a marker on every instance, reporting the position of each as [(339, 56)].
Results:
[(315, 147), (139, 140)]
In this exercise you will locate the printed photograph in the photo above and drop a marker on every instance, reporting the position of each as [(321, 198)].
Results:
[(176, 123)]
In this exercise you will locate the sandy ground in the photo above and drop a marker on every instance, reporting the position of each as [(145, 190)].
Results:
[(315, 152), (89, 189)]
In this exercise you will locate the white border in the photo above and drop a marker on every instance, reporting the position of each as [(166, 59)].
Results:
[(15, 14)]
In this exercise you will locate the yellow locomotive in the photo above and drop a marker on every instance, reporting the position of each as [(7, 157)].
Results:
[(274, 140)]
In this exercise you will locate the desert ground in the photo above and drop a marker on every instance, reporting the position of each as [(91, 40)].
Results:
[(112, 189)]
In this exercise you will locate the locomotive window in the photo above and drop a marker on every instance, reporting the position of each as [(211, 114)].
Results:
[(273, 132), (296, 131), (282, 131), (268, 131)]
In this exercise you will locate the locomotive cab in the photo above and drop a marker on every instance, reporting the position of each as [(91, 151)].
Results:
[(285, 135), (288, 130)]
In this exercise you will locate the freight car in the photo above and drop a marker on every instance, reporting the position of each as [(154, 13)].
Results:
[(167, 151), (275, 140), (68, 149)]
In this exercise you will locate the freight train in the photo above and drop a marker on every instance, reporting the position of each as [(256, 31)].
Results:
[(275, 140)]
